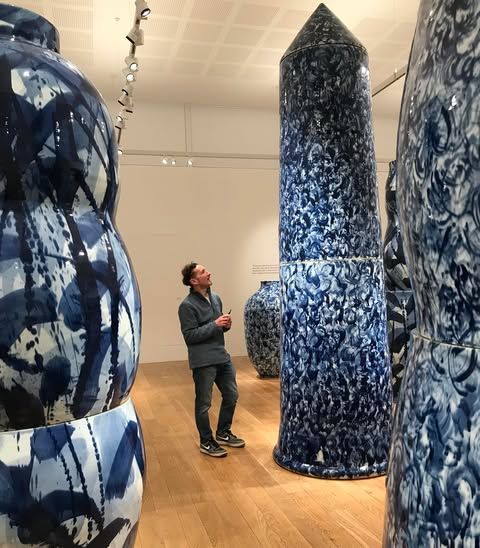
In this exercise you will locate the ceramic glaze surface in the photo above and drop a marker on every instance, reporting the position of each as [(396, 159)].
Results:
[(433, 479), (262, 329), (25, 25), (396, 271), (335, 376), (400, 302), (335, 413), (74, 484), (69, 304), (400, 322)]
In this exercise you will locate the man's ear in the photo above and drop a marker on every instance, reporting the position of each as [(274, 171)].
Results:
[(193, 281)]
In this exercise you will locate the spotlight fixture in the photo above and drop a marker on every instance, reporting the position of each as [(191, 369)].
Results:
[(129, 75), (173, 162), (135, 36), (127, 89), (165, 161), (126, 101), (143, 11), (120, 151), (132, 63), (189, 162)]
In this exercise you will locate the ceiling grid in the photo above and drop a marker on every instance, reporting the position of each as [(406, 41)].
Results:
[(223, 52)]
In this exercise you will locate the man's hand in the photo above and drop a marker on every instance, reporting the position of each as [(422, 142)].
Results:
[(224, 321)]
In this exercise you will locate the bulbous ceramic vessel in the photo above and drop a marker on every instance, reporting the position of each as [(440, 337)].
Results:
[(69, 303), (434, 467), (398, 290), (71, 450), (335, 375), (262, 329)]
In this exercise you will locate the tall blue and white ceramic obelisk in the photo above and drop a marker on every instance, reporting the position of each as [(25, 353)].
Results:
[(335, 376)]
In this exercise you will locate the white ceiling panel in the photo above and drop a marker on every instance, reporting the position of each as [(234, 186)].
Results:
[(211, 10), (259, 73), (223, 70), (74, 39), (157, 48), (81, 19), (232, 54), (243, 35), (201, 32), (194, 51), (279, 39), (293, 19), (161, 7), (160, 27), (75, 3), (188, 67), (256, 15), (267, 57)]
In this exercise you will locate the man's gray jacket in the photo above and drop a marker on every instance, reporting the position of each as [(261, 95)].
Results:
[(204, 339)]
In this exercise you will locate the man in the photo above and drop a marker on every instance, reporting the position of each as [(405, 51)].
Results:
[(203, 324)]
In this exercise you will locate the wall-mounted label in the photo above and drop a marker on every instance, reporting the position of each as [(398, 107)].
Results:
[(265, 269)]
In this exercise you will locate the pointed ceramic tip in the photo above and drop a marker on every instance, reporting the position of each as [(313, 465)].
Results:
[(322, 28)]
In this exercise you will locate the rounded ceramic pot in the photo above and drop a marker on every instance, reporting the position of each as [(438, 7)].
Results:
[(433, 486), (74, 484), (262, 329), (70, 308)]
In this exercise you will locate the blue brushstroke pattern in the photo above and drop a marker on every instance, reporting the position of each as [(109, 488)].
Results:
[(122, 463)]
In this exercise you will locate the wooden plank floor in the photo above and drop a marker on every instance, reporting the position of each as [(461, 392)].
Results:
[(245, 499)]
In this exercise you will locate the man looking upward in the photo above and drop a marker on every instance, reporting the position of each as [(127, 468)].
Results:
[(203, 325)]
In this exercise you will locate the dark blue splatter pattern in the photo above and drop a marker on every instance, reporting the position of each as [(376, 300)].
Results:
[(69, 304), (336, 384), (399, 294), (434, 469), (73, 484), (262, 329), (25, 25)]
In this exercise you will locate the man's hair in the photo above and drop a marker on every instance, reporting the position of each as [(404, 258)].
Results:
[(187, 272)]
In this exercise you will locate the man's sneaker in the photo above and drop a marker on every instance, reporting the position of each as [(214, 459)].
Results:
[(227, 438), (212, 448)]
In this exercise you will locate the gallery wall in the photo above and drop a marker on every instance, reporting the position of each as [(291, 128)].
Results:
[(222, 211)]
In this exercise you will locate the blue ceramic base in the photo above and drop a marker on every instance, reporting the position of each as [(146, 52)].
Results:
[(74, 484), (435, 451), (323, 472), (335, 378)]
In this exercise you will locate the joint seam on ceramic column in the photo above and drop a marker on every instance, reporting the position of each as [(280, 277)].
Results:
[(332, 260), (445, 343), (324, 44)]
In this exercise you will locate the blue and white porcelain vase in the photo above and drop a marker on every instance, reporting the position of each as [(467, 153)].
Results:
[(262, 329), (398, 290), (434, 468), (335, 374), (69, 304)]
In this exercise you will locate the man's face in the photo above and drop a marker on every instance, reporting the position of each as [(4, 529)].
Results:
[(200, 277)]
